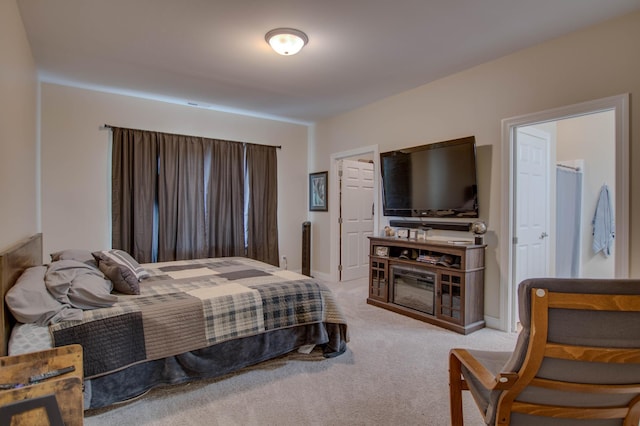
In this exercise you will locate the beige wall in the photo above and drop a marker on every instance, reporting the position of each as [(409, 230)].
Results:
[(595, 63), (18, 159), (76, 161)]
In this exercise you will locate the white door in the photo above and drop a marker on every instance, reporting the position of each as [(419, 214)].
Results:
[(531, 216), (356, 205)]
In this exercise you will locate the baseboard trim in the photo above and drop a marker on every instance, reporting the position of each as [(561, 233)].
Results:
[(493, 322), (320, 275)]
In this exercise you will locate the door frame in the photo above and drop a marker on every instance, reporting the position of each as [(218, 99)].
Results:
[(620, 105), (334, 200)]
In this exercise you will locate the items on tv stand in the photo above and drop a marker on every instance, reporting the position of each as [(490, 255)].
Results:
[(432, 281)]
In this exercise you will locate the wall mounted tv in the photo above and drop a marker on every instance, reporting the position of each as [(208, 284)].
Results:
[(434, 180)]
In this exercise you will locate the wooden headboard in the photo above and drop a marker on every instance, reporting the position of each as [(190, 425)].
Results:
[(13, 261)]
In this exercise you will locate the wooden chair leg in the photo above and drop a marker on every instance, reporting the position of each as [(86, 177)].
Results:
[(455, 390)]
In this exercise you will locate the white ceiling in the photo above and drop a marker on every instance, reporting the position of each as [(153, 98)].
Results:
[(213, 53)]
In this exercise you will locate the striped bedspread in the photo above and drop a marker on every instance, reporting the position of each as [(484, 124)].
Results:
[(189, 305)]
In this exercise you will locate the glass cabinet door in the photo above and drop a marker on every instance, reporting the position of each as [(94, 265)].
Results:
[(379, 279), (450, 297)]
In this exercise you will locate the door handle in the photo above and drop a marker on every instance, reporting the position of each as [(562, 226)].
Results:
[(543, 235)]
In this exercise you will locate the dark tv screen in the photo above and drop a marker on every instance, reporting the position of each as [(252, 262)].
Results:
[(435, 180)]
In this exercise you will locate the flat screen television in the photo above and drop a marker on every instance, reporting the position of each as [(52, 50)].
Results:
[(435, 180)]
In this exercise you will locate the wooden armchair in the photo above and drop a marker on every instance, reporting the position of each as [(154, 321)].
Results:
[(576, 360)]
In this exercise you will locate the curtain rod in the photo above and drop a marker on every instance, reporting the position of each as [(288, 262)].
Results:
[(110, 127), (577, 169)]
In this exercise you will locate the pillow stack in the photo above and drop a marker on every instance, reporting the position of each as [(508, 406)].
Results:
[(76, 280)]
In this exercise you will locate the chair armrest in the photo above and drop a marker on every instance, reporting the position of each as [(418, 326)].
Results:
[(504, 380)]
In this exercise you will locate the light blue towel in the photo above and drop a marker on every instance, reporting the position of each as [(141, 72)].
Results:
[(604, 228)]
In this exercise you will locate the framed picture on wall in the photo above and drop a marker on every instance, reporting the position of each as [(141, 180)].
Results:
[(318, 191)]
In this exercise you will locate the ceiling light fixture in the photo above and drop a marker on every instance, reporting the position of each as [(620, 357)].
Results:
[(286, 41)]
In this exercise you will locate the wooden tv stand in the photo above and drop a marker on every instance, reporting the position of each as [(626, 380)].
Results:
[(448, 276)]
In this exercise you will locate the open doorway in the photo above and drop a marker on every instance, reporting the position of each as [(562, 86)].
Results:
[(541, 137)]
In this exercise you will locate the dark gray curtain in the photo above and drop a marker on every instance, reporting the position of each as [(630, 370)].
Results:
[(183, 197), (225, 199), (262, 226), (134, 170), (181, 214)]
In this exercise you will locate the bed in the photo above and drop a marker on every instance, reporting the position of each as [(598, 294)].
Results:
[(189, 320)]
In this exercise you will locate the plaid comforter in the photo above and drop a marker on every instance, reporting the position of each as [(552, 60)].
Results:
[(189, 305)]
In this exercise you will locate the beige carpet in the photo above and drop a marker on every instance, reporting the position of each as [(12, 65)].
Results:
[(394, 373)]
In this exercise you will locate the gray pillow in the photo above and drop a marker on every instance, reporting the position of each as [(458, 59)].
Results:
[(79, 285), (122, 269), (30, 302), (83, 256)]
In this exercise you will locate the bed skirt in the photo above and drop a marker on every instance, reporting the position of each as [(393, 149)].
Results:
[(211, 362)]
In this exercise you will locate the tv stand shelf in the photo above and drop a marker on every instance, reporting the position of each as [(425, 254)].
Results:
[(433, 281), (429, 224)]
